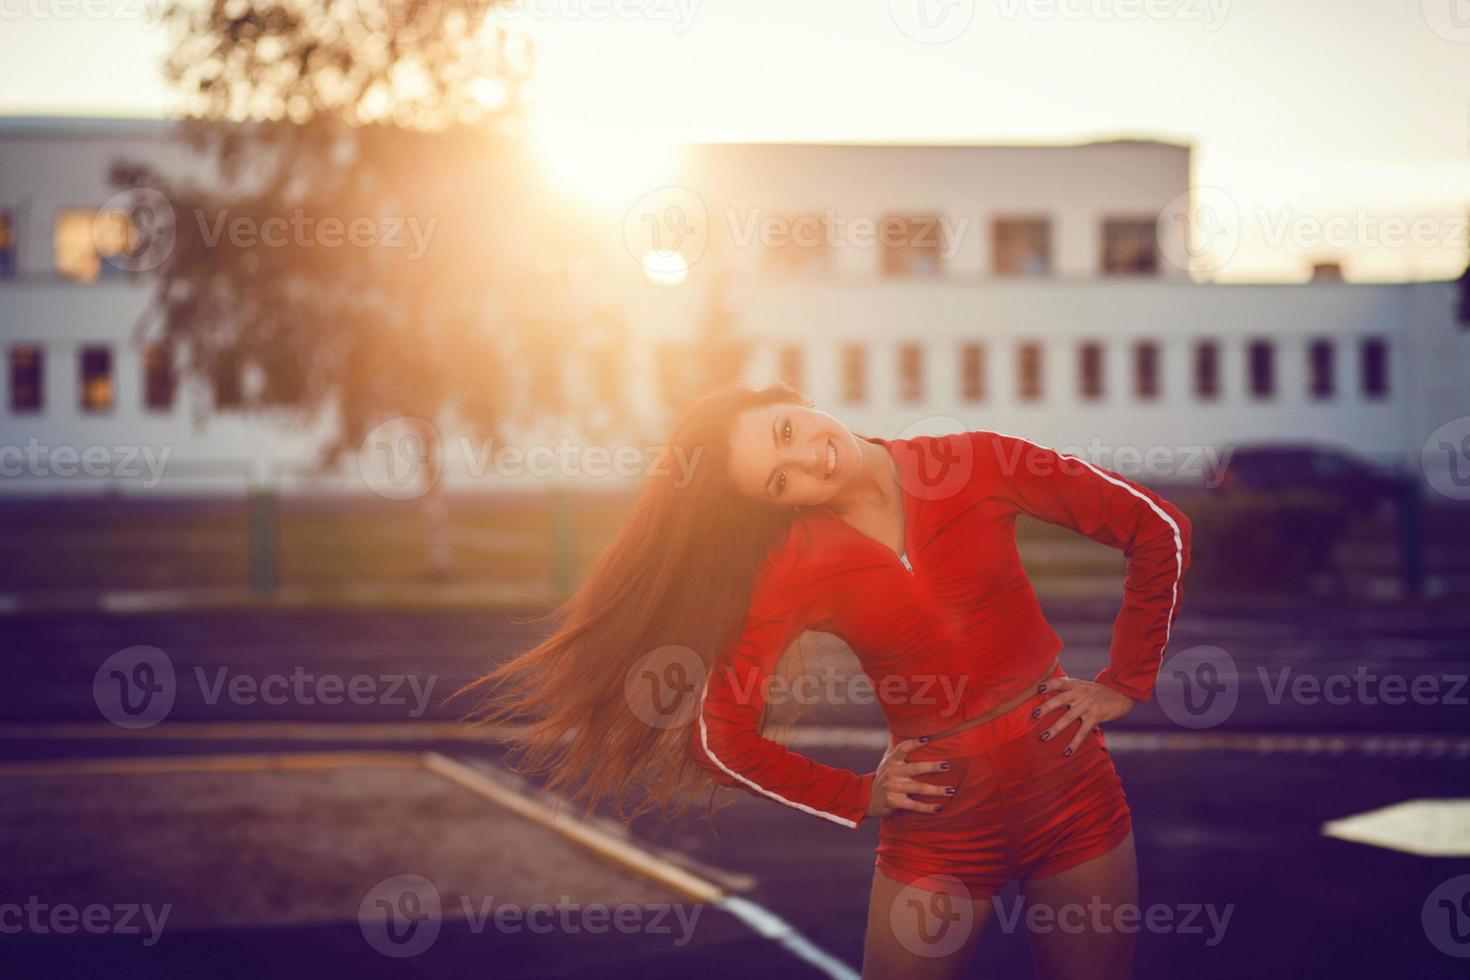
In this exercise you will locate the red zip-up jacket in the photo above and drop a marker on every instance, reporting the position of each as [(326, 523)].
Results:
[(949, 629)]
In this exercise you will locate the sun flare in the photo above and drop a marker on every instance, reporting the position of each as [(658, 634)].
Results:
[(599, 163)]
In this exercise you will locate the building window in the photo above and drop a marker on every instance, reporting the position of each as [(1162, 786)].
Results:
[(1261, 358), (1090, 370), (27, 378), (854, 373), (789, 366), (799, 245), (1028, 365), (1146, 370), (1130, 247), (1375, 367), (160, 380), (76, 253), (227, 377), (972, 372), (1320, 368), (1021, 246), (7, 244), (84, 239), (96, 378), (910, 372), (1207, 370), (911, 246)]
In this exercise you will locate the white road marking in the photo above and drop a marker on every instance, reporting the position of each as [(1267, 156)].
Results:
[(595, 835), (1433, 828), (621, 850), (775, 928)]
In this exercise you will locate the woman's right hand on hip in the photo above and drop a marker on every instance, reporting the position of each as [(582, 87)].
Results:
[(894, 785)]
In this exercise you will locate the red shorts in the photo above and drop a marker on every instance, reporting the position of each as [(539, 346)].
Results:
[(1021, 810)]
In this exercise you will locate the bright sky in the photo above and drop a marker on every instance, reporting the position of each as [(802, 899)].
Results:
[(1348, 121)]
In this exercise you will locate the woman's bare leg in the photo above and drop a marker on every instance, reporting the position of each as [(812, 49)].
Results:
[(1082, 939), (918, 934)]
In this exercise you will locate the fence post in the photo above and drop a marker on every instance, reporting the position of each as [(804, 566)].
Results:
[(263, 540), (563, 543)]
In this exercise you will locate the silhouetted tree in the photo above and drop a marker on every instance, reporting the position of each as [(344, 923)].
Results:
[(370, 244)]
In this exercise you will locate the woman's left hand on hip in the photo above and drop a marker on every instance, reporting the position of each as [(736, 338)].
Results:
[(1086, 702)]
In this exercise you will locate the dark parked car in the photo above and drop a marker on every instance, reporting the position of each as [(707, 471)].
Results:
[(1276, 468)]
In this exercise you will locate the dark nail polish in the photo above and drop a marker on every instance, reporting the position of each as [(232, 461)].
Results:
[(1036, 713), (1068, 752), (1045, 736), (1041, 688), (949, 791), (944, 767), (939, 809), (923, 738)]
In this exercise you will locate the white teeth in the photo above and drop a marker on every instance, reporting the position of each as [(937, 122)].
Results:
[(831, 459)]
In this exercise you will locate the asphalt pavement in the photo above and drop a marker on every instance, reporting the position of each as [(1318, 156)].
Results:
[(1301, 714)]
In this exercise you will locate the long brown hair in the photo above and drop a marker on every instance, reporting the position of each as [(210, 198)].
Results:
[(679, 573)]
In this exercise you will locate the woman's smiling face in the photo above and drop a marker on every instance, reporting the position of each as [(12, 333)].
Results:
[(791, 455)]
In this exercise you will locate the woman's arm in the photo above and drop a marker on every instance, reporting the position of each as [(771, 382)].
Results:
[(1152, 533), (725, 739)]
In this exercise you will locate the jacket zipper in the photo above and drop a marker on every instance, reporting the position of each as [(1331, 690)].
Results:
[(905, 559)]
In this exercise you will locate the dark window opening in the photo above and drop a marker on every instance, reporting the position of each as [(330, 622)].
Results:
[(1207, 370), (1029, 368), (910, 372), (911, 246), (972, 372), (1261, 356), (95, 366), (27, 379), (802, 246), (1021, 246), (1375, 367), (160, 380), (7, 245), (1090, 370), (1320, 355), (854, 373), (1146, 369), (1130, 247)]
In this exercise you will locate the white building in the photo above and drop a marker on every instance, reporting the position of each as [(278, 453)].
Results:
[(1043, 291)]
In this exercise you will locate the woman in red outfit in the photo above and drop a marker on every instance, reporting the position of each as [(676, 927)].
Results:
[(997, 769)]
